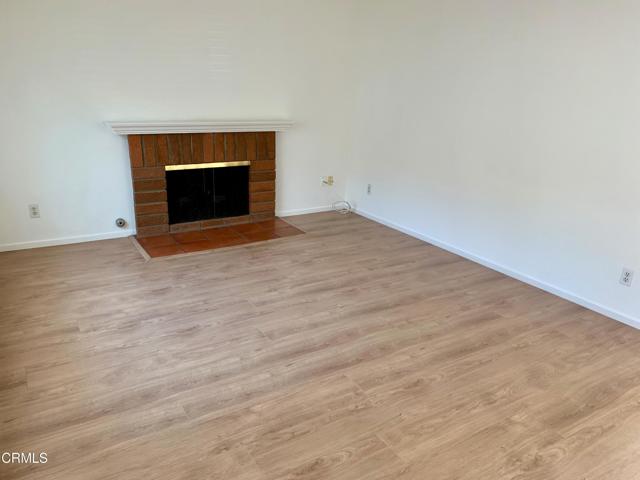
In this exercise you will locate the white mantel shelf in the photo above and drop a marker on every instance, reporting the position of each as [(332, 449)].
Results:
[(142, 128)]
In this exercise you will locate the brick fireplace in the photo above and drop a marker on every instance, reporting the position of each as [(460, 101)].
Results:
[(150, 154)]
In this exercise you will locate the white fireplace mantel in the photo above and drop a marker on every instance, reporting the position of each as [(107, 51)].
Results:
[(142, 128)]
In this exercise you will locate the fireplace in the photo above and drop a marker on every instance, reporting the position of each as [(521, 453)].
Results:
[(195, 181), (208, 191)]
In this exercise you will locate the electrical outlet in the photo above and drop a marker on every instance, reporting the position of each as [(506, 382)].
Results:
[(626, 278), (369, 189), (34, 210)]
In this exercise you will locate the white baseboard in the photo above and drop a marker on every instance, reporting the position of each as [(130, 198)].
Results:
[(572, 297), (302, 211), (7, 247)]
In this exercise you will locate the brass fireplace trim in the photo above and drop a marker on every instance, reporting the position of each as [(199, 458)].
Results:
[(197, 166)]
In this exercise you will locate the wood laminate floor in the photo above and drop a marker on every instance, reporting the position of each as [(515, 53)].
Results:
[(351, 352)]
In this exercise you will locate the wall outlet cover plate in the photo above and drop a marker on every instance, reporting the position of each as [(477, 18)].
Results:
[(626, 278)]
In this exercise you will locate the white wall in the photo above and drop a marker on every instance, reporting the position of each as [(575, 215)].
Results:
[(508, 131), (66, 66)]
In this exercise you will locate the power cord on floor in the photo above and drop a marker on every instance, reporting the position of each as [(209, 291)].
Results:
[(342, 206)]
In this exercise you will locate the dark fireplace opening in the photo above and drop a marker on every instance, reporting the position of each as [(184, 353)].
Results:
[(207, 193)]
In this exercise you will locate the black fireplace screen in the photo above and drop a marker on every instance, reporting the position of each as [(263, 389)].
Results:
[(207, 193)]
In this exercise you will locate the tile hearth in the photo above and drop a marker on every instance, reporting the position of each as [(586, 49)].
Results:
[(197, 241)]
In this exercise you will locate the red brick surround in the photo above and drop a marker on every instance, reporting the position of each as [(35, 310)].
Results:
[(150, 153)]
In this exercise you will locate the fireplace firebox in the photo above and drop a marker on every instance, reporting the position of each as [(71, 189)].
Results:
[(207, 191)]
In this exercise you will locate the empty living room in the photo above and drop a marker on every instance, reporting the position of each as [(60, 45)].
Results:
[(319, 240)]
